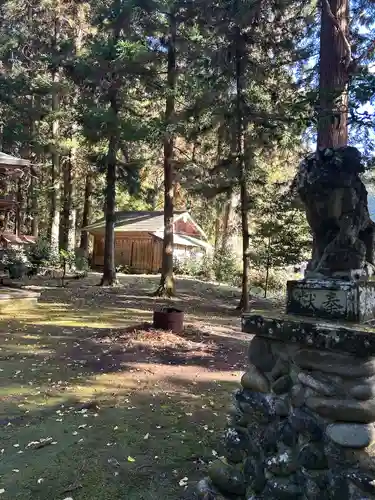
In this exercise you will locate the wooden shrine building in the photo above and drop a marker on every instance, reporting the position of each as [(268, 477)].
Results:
[(139, 240)]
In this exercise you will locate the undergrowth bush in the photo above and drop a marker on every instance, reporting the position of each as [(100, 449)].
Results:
[(41, 255), (220, 268), (226, 267), (15, 262), (189, 266), (81, 262), (277, 278)]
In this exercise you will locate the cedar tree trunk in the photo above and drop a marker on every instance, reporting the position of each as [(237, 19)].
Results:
[(86, 215), (55, 171), (167, 283), (334, 71), (109, 270), (244, 302), (69, 210), (34, 201)]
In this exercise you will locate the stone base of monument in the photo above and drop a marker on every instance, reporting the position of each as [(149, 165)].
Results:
[(332, 298), (302, 423)]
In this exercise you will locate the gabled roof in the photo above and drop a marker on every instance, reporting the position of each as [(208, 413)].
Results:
[(133, 221), (11, 166), (19, 239), (142, 221), (12, 161)]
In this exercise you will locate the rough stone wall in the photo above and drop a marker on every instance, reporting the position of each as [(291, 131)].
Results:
[(301, 427)]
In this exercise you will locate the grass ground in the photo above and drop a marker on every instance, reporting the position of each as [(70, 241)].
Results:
[(95, 405)]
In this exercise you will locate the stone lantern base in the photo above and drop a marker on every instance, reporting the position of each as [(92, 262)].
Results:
[(302, 423), (348, 300)]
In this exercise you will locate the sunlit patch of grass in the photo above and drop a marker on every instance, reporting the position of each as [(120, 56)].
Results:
[(23, 349), (49, 314), (14, 390), (10, 307)]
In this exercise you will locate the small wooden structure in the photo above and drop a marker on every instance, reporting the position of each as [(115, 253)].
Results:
[(13, 168), (10, 168), (139, 240)]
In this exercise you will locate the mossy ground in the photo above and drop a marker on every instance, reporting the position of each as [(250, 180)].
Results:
[(158, 404)]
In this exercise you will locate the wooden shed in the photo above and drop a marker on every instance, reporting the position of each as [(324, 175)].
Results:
[(139, 240)]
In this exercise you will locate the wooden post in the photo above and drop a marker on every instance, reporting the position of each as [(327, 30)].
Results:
[(131, 255)]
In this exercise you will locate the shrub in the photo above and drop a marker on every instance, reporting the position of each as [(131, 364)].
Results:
[(66, 259), (223, 269), (277, 278), (81, 262), (226, 267), (207, 270), (15, 262), (41, 254), (189, 266)]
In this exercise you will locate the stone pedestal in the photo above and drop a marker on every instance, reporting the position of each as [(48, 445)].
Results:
[(332, 299), (302, 424)]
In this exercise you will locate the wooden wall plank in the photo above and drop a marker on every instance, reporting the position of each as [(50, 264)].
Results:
[(141, 252)]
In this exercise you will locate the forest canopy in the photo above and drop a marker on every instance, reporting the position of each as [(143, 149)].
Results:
[(187, 104)]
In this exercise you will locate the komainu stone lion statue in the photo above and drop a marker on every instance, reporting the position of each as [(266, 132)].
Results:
[(335, 198)]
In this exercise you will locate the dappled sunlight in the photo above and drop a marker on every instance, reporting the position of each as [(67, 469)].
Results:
[(136, 438), (14, 390), (135, 375), (7, 349), (29, 336), (20, 400), (37, 310), (64, 315)]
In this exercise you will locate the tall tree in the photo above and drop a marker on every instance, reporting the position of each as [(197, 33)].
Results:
[(55, 109), (239, 61), (245, 86), (167, 284), (108, 73)]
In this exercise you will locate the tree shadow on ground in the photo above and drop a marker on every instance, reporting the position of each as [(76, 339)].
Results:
[(134, 444), (160, 398), (58, 357), (49, 359)]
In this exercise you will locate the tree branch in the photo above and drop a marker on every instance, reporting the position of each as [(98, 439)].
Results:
[(366, 53), (348, 58)]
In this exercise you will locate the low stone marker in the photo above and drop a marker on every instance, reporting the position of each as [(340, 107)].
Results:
[(302, 423)]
